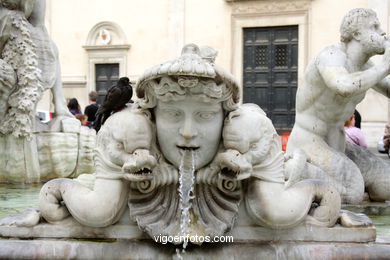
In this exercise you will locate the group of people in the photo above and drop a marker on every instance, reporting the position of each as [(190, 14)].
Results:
[(88, 117), (117, 98)]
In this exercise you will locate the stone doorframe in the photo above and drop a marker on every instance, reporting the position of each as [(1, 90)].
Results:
[(99, 52), (266, 14)]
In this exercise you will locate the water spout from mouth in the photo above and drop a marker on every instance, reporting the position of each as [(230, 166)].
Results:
[(186, 191)]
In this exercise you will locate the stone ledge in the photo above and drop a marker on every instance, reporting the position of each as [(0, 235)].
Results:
[(383, 239), (304, 233), (124, 240), (123, 249), (70, 229)]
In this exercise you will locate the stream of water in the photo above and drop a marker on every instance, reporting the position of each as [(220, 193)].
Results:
[(186, 193)]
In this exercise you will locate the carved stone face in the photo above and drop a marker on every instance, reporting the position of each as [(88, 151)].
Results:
[(189, 124), (371, 36)]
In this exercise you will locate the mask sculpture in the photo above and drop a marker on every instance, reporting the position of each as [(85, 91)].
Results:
[(186, 156)]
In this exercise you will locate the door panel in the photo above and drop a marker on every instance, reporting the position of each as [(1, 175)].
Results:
[(270, 72), (106, 76)]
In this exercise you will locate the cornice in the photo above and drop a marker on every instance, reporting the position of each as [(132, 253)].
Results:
[(267, 7)]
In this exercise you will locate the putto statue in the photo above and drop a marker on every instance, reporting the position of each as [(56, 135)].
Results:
[(335, 82), (184, 158), (29, 65)]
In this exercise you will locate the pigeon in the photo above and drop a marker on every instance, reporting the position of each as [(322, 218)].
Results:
[(116, 99)]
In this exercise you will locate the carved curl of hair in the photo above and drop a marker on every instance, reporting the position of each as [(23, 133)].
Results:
[(177, 88), (353, 21)]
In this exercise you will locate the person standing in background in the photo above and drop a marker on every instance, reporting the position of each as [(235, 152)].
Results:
[(92, 108)]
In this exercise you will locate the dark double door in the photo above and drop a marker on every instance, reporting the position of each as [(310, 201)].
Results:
[(270, 72), (106, 76)]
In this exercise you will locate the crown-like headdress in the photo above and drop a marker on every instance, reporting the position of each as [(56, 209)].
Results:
[(193, 72)]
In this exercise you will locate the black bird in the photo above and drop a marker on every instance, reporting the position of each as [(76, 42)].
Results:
[(116, 99)]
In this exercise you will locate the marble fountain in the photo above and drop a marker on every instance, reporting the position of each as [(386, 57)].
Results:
[(189, 164)]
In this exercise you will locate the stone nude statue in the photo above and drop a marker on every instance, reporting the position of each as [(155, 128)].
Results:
[(335, 82), (188, 127), (28, 65)]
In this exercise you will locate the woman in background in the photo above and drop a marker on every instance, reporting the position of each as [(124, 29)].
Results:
[(74, 107), (353, 134)]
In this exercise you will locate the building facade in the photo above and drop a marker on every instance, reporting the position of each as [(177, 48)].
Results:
[(266, 44)]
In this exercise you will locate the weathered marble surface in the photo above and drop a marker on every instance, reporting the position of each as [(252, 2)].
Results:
[(46, 156), (249, 234), (375, 171), (29, 65), (335, 82), (125, 240), (188, 159), (245, 230), (123, 249)]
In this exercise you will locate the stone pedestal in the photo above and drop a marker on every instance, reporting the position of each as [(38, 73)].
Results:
[(70, 240)]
